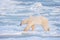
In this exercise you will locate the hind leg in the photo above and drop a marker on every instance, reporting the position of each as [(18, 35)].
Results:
[(45, 25), (46, 28)]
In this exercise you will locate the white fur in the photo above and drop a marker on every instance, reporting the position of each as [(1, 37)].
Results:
[(33, 20)]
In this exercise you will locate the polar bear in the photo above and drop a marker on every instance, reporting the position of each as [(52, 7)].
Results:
[(33, 20)]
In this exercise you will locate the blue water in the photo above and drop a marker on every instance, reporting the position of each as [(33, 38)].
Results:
[(12, 12)]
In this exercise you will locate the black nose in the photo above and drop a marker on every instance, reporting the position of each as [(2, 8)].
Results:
[(20, 24)]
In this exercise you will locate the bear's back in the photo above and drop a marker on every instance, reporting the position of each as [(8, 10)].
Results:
[(36, 19)]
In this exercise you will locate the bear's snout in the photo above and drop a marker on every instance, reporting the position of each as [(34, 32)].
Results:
[(20, 24)]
